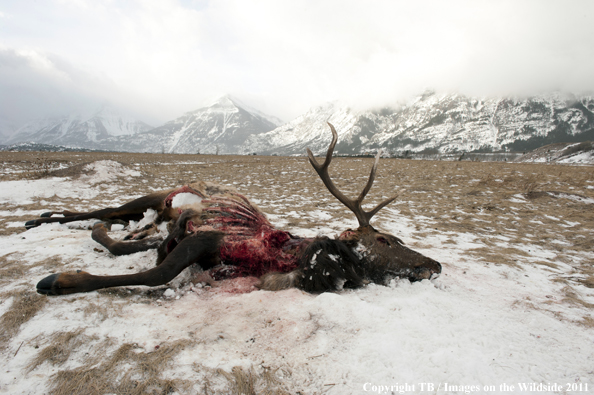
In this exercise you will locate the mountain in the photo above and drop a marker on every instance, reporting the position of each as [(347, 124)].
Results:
[(437, 122), (107, 124), (429, 123), (221, 127)]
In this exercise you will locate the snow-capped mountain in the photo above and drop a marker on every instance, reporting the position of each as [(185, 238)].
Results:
[(428, 123), (446, 122), (222, 127), (79, 130)]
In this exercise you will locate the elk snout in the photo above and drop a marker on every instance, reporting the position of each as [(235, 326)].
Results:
[(428, 270)]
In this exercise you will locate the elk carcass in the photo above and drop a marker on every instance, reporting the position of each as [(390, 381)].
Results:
[(223, 232)]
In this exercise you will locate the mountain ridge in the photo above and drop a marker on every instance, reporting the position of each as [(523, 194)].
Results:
[(442, 122), (430, 122)]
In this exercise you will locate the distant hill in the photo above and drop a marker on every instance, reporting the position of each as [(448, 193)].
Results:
[(574, 153), (23, 147)]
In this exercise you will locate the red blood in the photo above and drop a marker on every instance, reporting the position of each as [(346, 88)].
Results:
[(251, 246)]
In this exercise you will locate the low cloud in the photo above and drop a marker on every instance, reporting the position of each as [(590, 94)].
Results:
[(161, 58), (34, 85)]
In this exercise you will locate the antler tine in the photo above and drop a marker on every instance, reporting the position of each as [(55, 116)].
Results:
[(371, 178), (370, 214), (322, 171), (354, 205), (326, 163)]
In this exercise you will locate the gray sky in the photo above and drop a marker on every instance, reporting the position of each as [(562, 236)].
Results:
[(161, 58)]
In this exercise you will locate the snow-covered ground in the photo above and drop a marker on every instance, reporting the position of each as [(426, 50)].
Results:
[(480, 328)]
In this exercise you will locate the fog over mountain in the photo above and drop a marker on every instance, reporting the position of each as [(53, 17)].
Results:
[(79, 130), (431, 122), (157, 59)]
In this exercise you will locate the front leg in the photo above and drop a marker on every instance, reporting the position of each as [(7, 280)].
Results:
[(132, 210), (201, 248)]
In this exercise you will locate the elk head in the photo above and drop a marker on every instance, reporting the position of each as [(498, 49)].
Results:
[(383, 254)]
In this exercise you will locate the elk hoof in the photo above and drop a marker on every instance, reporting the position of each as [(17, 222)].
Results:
[(63, 283), (31, 224), (46, 215), (47, 286)]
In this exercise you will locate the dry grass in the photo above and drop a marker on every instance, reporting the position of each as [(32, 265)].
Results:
[(58, 351), (24, 306), (512, 211), (10, 269), (248, 382), (128, 370), (13, 267), (242, 381)]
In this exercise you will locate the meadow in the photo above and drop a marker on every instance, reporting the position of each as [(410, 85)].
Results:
[(514, 303)]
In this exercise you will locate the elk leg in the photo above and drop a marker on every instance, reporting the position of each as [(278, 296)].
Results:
[(131, 211), (103, 214), (140, 234), (201, 248), (100, 235), (65, 213)]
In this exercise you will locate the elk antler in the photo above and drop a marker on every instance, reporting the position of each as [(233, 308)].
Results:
[(354, 205)]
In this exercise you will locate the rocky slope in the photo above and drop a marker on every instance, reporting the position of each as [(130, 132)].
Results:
[(222, 127), (574, 153), (447, 123)]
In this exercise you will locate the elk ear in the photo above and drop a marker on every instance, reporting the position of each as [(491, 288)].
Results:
[(353, 204)]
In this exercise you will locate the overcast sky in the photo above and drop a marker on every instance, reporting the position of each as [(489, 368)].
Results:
[(161, 58)]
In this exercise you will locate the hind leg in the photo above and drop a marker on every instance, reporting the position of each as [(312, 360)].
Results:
[(201, 248)]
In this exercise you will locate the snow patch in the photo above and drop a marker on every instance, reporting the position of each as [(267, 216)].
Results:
[(107, 170), (183, 199)]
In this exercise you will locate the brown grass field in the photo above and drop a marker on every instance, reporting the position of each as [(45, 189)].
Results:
[(505, 206)]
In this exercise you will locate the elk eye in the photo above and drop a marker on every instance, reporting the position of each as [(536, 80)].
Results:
[(383, 240)]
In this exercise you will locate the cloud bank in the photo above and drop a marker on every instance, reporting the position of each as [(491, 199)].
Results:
[(160, 58)]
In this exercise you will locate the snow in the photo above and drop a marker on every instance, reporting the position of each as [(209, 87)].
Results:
[(100, 172), (23, 191), (583, 157), (575, 198), (182, 199), (478, 326)]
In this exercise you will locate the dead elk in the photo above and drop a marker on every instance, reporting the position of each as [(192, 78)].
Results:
[(223, 232)]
